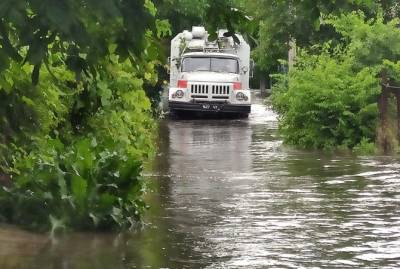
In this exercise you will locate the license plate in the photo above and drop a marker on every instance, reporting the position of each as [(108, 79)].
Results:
[(212, 107)]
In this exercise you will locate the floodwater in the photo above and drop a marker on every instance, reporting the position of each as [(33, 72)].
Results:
[(228, 194)]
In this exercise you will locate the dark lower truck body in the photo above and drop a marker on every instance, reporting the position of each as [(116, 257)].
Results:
[(209, 107)]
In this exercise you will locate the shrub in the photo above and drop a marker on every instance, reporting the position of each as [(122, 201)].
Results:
[(324, 102), (29, 111), (84, 173), (75, 123), (365, 147), (330, 98)]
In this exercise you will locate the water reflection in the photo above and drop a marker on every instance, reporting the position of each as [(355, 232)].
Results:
[(228, 194)]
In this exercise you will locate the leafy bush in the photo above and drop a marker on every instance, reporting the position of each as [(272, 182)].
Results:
[(365, 147), (75, 123), (28, 111), (330, 98), (83, 185), (87, 176), (324, 102)]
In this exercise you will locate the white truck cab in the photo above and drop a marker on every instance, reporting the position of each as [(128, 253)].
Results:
[(209, 76)]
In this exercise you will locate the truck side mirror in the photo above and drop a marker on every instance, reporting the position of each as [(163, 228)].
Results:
[(244, 69), (168, 65), (252, 67)]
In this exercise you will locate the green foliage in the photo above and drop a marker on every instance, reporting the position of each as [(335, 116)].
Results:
[(229, 14), (182, 14), (329, 98), (212, 14), (90, 176), (29, 111), (323, 102), (303, 22), (366, 147), (373, 42), (76, 124)]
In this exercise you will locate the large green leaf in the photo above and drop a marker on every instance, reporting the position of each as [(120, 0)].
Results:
[(79, 189)]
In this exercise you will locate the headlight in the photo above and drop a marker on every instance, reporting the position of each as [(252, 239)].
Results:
[(179, 94), (241, 97)]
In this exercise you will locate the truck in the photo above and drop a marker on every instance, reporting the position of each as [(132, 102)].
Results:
[(209, 76)]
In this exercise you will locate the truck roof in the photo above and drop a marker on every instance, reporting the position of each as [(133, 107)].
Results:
[(212, 54)]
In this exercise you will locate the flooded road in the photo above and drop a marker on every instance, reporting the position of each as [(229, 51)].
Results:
[(228, 194)]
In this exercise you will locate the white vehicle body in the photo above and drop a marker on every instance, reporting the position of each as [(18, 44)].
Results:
[(209, 76)]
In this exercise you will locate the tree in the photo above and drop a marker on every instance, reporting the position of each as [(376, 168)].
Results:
[(302, 21), (182, 14), (332, 96), (376, 44)]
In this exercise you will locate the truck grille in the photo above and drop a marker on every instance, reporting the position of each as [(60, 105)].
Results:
[(199, 89), (216, 91)]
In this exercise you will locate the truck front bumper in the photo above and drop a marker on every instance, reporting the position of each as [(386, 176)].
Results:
[(210, 107)]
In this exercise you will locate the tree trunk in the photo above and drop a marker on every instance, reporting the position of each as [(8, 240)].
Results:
[(398, 114), (383, 129), (292, 53), (5, 180), (262, 83)]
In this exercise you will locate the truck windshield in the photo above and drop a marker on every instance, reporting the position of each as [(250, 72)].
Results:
[(223, 65)]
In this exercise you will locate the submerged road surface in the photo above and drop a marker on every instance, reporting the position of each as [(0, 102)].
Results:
[(228, 194)]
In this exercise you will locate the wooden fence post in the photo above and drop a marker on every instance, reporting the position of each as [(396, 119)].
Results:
[(383, 133), (397, 94)]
